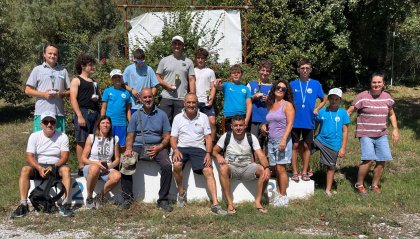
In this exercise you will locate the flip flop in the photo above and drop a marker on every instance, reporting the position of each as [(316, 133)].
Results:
[(295, 177), (231, 211), (262, 210)]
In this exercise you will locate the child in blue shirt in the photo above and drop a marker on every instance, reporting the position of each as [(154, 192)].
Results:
[(331, 140), (116, 104), (237, 97)]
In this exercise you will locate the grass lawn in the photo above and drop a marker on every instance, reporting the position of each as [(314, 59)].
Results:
[(393, 214)]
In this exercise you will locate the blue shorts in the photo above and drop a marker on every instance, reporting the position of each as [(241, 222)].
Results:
[(209, 111), (121, 132), (196, 155), (375, 148), (102, 176), (81, 133), (279, 157)]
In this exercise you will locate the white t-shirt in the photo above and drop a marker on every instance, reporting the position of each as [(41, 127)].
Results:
[(191, 133), (238, 152), (47, 150), (203, 79), (102, 148)]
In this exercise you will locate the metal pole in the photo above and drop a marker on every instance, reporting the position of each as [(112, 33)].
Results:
[(393, 53), (126, 32), (98, 52)]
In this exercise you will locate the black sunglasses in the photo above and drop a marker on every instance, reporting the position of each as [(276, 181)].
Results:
[(46, 122), (280, 88), (140, 62)]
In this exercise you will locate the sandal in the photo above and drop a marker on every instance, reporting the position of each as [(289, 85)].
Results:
[(262, 210), (305, 177), (231, 212), (310, 173), (295, 177)]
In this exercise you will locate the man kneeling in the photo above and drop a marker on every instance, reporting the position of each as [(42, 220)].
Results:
[(45, 148), (238, 162)]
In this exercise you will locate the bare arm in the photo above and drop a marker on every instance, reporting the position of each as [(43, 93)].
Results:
[(393, 119), (154, 90), (212, 93), (289, 111), (220, 159), (322, 104), (163, 83), (128, 111), (116, 161), (74, 87), (209, 147), (264, 162), (31, 91), (30, 159), (191, 83), (129, 144), (350, 110), (103, 108), (248, 110), (342, 151), (176, 155), (64, 157)]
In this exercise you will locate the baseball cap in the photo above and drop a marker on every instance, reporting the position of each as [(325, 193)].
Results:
[(178, 38), (128, 164), (336, 91), (115, 72), (47, 114)]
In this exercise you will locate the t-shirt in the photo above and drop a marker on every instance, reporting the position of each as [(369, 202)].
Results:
[(259, 107), (154, 125), (117, 101), (102, 148), (277, 122), (44, 77), (191, 133), (239, 152), (331, 127), (305, 95), (235, 96), (139, 78), (175, 71), (372, 114), (203, 79), (47, 150)]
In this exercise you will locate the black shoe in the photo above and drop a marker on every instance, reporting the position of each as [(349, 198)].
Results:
[(80, 172), (65, 210), (20, 211), (126, 204), (165, 206)]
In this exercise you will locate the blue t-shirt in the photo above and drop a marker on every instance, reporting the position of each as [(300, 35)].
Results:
[(331, 127), (259, 107), (117, 101), (139, 78), (154, 125), (235, 99), (305, 95)]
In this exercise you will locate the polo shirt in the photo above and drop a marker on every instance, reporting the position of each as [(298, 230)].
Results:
[(191, 132), (154, 125)]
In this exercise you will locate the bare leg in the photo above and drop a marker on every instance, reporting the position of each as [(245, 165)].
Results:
[(66, 179), (364, 168), (25, 174), (260, 187), (211, 184), (225, 183), (79, 151), (113, 179), (282, 179), (92, 179), (295, 152), (330, 178), (212, 121), (178, 176), (378, 172), (306, 153)]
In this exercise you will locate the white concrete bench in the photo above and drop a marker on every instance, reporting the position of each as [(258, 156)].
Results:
[(146, 185)]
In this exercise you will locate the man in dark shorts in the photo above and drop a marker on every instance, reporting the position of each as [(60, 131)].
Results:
[(48, 147), (190, 130)]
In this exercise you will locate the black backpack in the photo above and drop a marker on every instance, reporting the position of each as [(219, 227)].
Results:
[(40, 197), (229, 135)]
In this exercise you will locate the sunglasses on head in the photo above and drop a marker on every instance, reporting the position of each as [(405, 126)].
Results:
[(280, 88), (46, 122)]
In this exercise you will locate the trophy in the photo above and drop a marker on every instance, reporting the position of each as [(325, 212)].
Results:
[(208, 97), (95, 97), (53, 91)]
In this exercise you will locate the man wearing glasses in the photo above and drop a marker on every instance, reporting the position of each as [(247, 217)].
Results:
[(46, 148), (49, 83), (138, 76)]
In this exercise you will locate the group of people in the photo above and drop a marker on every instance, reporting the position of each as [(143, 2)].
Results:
[(267, 126)]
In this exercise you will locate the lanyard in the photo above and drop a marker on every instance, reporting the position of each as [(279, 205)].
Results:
[(335, 120), (301, 92)]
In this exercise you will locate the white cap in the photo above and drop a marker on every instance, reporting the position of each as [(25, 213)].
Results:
[(47, 114), (115, 72), (336, 91), (178, 38)]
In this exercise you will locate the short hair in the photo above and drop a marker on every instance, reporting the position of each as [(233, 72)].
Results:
[(50, 44), (83, 60), (236, 67), (266, 64), (378, 73), (201, 52), (139, 54), (304, 61), (238, 118)]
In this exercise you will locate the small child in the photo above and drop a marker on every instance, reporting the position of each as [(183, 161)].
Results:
[(332, 137), (237, 97), (116, 103)]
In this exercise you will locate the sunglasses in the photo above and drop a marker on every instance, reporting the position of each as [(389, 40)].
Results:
[(280, 88), (140, 62), (46, 122)]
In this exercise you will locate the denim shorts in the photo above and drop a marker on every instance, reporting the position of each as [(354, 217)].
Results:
[(209, 111), (275, 156), (375, 148), (102, 175)]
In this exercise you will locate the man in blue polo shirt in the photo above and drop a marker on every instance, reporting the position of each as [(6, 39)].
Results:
[(156, 131), (138, 76)]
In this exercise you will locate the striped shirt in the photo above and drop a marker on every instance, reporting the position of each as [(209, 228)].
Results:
[(372, 114)]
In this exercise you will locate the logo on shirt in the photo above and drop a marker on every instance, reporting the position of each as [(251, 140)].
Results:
[(243, 91), (309, 91), (337, 119), (183, 64), (123, 96)]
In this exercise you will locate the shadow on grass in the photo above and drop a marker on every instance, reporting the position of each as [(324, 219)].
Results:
[(13, 113), (408, 114)]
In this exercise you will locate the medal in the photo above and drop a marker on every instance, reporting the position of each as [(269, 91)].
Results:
[(303, 106)]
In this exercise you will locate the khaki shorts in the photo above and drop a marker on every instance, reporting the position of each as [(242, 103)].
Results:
[(245, 173)]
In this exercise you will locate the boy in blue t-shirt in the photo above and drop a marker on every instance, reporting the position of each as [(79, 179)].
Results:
[(116, 105), (237, 97), (332, 137)]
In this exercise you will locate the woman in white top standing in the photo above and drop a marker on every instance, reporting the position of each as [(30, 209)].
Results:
[(100, 156)]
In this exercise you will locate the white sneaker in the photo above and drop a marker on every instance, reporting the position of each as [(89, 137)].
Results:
[(281, 201)]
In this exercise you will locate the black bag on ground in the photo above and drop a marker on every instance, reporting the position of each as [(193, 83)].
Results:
[(41, 198)]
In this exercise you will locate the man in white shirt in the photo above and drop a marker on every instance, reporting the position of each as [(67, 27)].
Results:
[(190, 129), (45, 148)]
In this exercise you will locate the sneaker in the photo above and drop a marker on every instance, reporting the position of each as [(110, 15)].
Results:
[(182, 199), (165, 206), (80, 172), (20, 211), (126, 204), (375, 188), (360, 189), (98, 200), (281, 201), (90, 203), (66, 211), (217, 209)]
